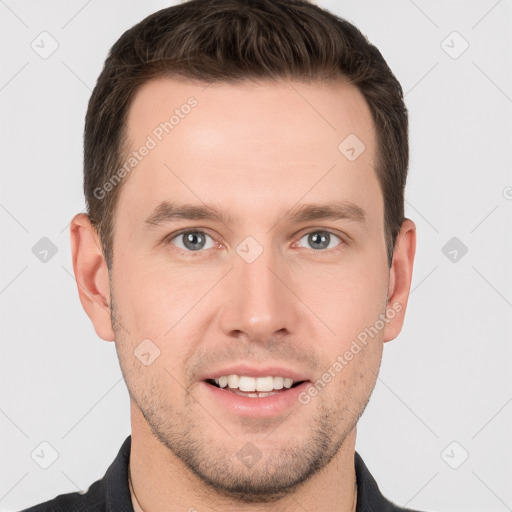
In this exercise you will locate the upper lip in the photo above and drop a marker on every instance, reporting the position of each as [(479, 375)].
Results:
[(253, 371)]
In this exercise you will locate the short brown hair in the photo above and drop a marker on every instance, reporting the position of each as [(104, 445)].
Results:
[(229, 41)]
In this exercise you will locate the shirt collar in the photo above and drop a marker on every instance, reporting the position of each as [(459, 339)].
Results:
[(117, 491)]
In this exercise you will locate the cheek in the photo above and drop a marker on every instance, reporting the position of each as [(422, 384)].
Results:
[(152, 297), (348, 299)]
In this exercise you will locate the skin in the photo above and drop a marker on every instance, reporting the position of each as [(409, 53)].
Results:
[(255, 151)]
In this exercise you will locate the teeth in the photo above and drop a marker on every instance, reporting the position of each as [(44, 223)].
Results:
[(278, 382), (249, 384), (233, 381), (254, 395)]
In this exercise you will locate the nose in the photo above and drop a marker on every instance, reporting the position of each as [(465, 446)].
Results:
[(259, 300)]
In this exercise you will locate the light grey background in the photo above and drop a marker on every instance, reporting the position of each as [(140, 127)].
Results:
[(446, 378)]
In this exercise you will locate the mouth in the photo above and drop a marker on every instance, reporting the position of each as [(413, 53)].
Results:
[(254, 403), (255, 393)]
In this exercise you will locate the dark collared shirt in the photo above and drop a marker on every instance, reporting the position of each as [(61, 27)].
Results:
[(112, 493)]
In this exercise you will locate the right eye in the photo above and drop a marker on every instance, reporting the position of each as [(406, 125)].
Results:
[(191, 241)]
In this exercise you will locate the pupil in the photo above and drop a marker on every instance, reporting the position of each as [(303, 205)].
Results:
[(191, 240), (323, 238)]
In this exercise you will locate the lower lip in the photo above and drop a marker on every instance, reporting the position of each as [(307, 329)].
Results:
[(257, 407)]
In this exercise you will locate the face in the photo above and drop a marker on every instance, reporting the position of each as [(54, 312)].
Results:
[(268, 286)]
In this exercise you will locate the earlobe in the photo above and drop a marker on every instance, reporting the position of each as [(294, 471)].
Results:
[(400, 279), (91, 274)]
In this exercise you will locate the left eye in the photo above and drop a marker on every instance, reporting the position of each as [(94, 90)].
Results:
[(192, 240), (320, 239)]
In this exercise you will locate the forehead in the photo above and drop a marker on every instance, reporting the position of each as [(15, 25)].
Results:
[(325, 110), (267, 141)]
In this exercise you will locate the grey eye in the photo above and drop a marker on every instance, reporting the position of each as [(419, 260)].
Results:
[(321, 239), (192, 241)]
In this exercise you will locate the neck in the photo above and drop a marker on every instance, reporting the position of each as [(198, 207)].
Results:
[(135, 501), (159, 481)]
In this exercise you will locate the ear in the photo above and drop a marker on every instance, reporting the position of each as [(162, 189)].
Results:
[(91, 275), (400, 279)]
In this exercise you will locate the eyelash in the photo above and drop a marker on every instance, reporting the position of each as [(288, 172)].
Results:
[(168, 240)]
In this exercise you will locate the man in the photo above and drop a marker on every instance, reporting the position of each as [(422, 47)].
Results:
[(245, 247)]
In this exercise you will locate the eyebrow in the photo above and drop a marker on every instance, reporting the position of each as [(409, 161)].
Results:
[(168, 211)]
